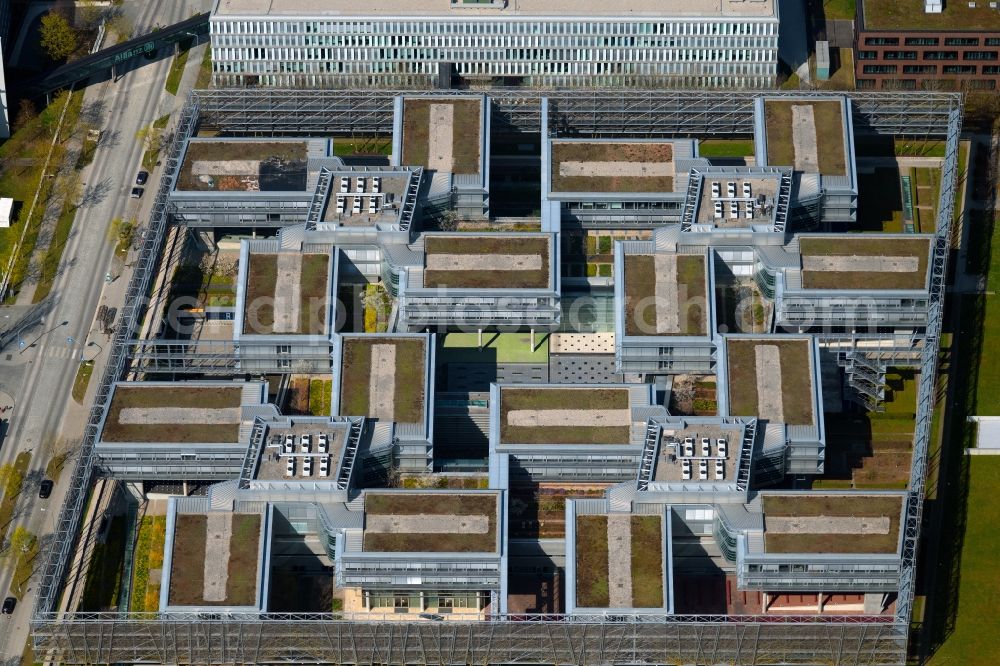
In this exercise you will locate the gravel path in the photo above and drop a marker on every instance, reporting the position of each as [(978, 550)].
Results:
[(769, 402), (185, 415), (619, 560), (804, 138), (225, 168), (382, 382), (569, 417), (286, 294), (828, 525), (218, 532), (440, 140), (859, 264), (612, 169), (484, 262), (667, 307), (423, 523)]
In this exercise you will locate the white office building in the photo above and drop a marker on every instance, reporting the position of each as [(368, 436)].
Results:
[(435, 43)]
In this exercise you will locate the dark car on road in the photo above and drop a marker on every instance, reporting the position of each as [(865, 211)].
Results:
[(8, 605), (141, 177), (45, 489), (136, 192)]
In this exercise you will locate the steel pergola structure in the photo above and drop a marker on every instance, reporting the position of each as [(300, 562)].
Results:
[(525, 639), (698, 113)]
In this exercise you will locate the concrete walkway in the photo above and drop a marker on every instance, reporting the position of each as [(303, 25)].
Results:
[(569, 417), (770, 405), (287, 294), (382, 382), (619, 560), (218, 535)]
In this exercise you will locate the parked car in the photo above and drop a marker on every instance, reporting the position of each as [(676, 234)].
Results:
[(136, 193), (8, 605), (141, 177), (45, 489)]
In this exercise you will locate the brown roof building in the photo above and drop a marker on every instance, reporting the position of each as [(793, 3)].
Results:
[(901, 46)]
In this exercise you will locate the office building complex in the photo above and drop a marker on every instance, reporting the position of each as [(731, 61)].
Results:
[(435, 43), (679, 413), (927, 45)]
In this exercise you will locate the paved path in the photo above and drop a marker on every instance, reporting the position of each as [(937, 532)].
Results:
[(219, 534), (441, 137), (569, 417), (828, 525), (382, 382), (804, 138), (619, 560), (484, 262), (287, 295), (424, 523), (162, 415), (665, 290), (860, 264), (613, 169), (768, 369)]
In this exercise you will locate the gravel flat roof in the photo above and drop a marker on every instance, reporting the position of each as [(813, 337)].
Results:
[(175, 414)]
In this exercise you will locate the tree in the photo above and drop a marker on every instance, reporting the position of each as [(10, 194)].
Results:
[(21, 541), (151, 137), (121, 232), (59, 38)]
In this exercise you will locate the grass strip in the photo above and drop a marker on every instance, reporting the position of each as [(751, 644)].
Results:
[(647, 562), (82, 381), (53, 254), (14, 481), (312, 293), (592, 562), (205, 70), (176, 71), (725, 148)]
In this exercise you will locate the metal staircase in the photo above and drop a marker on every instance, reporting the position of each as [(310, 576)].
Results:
[(648, 461), (865, 377), (690, 211), (318, 202), (350, 454)]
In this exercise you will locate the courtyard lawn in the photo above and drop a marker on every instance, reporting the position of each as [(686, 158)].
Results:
[(497, 348)]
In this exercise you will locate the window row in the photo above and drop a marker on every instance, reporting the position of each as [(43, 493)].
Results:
[(927, 55), (474, 41), (223, 26), (931, 41), (297, 58)]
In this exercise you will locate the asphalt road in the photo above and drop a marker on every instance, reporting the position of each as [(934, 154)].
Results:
[(41, 378)]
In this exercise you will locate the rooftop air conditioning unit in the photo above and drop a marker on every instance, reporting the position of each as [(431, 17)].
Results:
[(933, 6)]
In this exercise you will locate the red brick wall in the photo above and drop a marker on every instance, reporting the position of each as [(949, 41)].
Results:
[(869, 53)]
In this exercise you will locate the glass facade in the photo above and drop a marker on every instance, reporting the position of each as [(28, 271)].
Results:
[(398, 52)]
